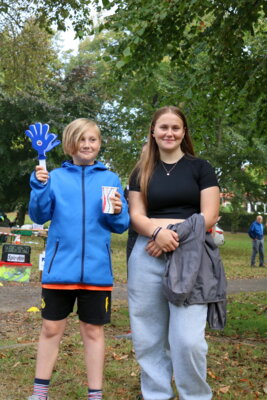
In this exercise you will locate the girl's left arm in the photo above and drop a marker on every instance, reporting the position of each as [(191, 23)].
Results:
[(210, 205)]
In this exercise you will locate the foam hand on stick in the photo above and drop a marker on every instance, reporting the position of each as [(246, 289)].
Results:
[(42, 140)]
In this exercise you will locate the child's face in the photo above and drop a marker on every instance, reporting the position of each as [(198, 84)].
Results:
[(88, 148)]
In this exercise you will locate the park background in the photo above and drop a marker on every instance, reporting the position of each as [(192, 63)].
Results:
[(207, 57)]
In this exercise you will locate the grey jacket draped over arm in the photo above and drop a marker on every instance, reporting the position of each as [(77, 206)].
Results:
[(194, 271)]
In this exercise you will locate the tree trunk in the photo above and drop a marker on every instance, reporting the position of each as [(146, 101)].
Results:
[(21, 212)]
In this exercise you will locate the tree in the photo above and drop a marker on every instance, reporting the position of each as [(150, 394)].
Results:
[(27, 58), (154, 30), (222, 120), (57, 100), (125, 106), (232, 34), (17, 156), (27, 63)]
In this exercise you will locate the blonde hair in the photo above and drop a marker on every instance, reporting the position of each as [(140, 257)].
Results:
[(74, 131), (149, 158)]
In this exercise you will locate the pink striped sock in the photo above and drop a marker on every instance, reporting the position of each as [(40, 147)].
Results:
[(40, 388), (94, 394)]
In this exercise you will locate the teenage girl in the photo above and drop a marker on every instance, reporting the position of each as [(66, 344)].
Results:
[(168, 185)]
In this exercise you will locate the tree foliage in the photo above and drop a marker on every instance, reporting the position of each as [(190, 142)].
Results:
[(208, 57), (218, 44), (27, 58), (223, 120), (154, 30), (46, 95), (49, 13), (17, 157)]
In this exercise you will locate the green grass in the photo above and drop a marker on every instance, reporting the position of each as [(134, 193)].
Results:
[(236, 361), (236, 253), (246, 316)]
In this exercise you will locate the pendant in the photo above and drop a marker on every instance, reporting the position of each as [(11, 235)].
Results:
[(168, 173)]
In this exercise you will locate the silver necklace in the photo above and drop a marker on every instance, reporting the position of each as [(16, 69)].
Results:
[(168, 172)]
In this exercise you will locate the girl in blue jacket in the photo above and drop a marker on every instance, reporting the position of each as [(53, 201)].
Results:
[(78, 262)]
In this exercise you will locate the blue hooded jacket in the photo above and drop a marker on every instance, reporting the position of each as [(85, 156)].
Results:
[(78, 244), (256, 230)]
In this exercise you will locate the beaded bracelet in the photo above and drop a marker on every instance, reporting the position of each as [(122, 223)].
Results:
[(155, 233)]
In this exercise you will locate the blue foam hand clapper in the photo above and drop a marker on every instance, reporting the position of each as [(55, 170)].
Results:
[(42, 140)]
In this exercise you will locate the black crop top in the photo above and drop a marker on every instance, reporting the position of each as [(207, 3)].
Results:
[(177, 195)]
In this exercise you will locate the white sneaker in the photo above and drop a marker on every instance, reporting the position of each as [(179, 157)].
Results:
[(34, 397)]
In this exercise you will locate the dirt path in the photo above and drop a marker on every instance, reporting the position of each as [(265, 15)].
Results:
[(22, 296), (247, 285)]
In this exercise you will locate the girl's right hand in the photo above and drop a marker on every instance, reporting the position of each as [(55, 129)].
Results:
[(167, 240), (41, 174)]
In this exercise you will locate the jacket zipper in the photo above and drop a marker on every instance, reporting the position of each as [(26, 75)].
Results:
[(83, 225), (109, 254), (54, 255)]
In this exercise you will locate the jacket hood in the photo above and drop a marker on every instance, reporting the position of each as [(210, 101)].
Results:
[(97, 165)]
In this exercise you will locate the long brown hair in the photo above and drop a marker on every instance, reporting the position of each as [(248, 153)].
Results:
[(149, 158)]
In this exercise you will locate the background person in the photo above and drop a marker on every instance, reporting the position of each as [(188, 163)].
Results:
[(168, 185), (256, 233), (77, 262)]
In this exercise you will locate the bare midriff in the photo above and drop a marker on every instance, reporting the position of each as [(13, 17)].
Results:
[(164, 222)]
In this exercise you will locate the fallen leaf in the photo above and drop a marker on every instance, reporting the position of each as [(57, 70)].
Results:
[(211, 374), (118, 358), (33, 309), (224, 389), (16, 364)]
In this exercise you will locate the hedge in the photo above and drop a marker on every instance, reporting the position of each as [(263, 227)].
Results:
[(241, 223)]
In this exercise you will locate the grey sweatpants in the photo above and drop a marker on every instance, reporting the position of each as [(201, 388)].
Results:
[(168, 340), (257, 247)]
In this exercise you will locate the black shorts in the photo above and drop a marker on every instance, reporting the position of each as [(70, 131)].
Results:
[(93, 306)]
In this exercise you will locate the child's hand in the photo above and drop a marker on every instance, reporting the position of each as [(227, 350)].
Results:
[(117, 203), (41, 174)]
